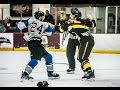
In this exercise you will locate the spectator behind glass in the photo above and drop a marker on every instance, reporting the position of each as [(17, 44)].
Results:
[(10, 25), (49, 18)]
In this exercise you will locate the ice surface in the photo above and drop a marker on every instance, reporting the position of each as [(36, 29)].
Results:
[(106, 66)]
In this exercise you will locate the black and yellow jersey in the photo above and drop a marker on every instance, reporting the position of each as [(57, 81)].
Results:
[(79, 27)]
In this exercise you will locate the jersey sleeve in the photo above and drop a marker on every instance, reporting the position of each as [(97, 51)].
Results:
[(89, 23), (49, 29), (23, 24)]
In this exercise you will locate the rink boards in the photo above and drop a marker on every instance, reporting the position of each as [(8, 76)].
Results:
[(104, 43)]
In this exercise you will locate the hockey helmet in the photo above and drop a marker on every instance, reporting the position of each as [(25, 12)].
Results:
[(75, 11), (38, 14)]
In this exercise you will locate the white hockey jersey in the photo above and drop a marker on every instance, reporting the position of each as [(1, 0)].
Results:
[(36, 28)]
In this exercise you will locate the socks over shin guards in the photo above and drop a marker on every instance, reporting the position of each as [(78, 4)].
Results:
[(30, 66)]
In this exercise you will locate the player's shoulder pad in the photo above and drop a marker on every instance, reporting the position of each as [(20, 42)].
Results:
[(31, 20)]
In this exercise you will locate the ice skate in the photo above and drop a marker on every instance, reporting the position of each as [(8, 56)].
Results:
[(70, 71), (26, 77), (89, 76), (53, 76)]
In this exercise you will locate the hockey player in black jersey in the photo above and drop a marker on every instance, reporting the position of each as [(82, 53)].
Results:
[(81, 28), (36, 27)]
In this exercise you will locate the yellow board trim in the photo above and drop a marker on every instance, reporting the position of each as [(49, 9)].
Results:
[(63, 50)]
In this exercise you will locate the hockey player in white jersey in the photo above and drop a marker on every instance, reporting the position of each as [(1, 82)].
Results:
[(36, 27)]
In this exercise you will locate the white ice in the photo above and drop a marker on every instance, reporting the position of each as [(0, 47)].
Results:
[(106, 66)]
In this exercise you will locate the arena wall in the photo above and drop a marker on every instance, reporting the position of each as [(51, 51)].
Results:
[(104, 43)]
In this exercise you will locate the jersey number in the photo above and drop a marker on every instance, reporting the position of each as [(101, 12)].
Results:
[(34, 26)]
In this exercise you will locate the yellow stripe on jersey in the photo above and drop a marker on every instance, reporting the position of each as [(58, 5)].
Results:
[(73, 21), (79, 26), (92, 25), (85, 50), (61, 30)]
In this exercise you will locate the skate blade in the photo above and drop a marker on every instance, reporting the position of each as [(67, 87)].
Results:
[(85, 79), (71, 72), (51, 78), (25, 80)]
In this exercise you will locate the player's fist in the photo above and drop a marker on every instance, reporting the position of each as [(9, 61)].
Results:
[(89, 16)]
